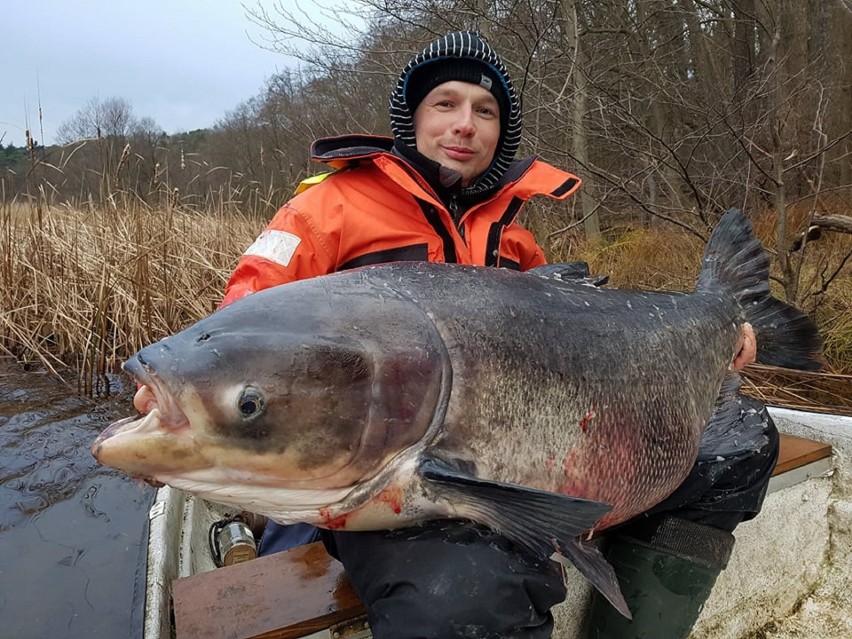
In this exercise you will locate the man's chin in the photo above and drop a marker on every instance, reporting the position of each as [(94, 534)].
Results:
[(467, 173)]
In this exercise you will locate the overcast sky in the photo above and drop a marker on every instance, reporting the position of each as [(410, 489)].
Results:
[(184, 63)]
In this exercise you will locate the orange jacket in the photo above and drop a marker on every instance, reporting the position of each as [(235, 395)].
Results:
[(376, 208)]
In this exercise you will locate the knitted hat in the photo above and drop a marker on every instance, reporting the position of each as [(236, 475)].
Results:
[(467, 57), (431, 73)]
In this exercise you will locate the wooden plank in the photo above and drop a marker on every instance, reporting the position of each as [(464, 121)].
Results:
[(281, 596), (796, 452), (794, 476)]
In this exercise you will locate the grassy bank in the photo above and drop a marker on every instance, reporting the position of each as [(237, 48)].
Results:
[(83, 288)]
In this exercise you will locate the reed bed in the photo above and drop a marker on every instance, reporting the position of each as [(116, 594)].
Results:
[(82, 288), (819, 392), (86, 287)]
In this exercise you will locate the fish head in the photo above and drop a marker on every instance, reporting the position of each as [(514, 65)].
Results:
[(281, 389)]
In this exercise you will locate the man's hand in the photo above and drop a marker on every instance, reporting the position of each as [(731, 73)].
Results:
[(747, 352)]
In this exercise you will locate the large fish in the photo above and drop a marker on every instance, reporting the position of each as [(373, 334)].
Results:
[(385, 396)]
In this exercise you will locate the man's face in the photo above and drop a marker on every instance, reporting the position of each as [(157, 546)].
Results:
[(458, 125)]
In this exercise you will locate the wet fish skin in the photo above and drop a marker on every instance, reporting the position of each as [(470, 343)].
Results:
[(393, 394)]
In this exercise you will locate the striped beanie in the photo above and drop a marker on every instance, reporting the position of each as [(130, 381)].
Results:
[(467, 57)]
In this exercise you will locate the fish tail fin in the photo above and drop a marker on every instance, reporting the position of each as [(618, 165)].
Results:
[(735, 260)]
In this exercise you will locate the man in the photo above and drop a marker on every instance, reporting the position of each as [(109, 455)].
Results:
[(446, 188)]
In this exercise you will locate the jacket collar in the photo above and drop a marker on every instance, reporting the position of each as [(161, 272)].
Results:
[(344, 150), (349, 147)]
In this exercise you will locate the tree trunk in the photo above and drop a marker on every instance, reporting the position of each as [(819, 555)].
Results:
[(579, 141), (743, 44), (778, 107), (657, 119), (841, 122)]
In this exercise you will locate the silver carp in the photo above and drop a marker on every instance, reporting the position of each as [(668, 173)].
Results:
[(385, 396)]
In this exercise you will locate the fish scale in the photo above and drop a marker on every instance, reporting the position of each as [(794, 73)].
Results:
[(573, 377)]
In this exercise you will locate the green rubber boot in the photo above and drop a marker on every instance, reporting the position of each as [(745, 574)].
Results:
[(665, 575)]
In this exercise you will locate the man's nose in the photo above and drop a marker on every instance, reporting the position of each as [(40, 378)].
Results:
[(464, 124)]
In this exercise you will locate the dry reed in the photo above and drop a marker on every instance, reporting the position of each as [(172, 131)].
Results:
[(87, 287)]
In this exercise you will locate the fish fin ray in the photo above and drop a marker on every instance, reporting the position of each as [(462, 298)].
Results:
[(729, 431), (577, 271), (593, 566), (538, 520), (734, 260)]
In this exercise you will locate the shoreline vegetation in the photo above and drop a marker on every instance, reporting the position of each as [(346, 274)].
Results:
[(670, 113), (83, 287)]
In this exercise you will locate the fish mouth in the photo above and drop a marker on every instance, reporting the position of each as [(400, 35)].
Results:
[(160, 415), (153, 396), (123, 427)]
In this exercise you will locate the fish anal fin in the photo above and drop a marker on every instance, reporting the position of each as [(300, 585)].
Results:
[(593, 566)]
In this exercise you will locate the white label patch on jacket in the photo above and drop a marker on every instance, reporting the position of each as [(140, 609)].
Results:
[(277, 246)]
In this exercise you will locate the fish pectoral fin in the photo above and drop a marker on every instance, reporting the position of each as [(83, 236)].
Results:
[(541, 521), (545, 523), (593, 566)]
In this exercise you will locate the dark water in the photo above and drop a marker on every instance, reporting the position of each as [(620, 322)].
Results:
[(71, 531)]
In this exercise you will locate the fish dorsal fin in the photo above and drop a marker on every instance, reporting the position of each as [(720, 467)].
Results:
[(577, 271)]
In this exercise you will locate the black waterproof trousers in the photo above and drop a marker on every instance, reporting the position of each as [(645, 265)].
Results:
[(454, 579)]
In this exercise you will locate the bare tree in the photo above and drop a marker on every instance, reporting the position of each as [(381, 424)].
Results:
[(671, 110), (111, 149), (579, 106), (112, 117)]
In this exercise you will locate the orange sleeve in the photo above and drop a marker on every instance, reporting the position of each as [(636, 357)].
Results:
[(291, 248), (519, 244), (533, 259)]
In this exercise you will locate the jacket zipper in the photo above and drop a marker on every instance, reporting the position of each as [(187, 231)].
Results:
[(456, 214)]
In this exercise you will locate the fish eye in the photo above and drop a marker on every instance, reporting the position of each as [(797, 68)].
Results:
[(250, 402)]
